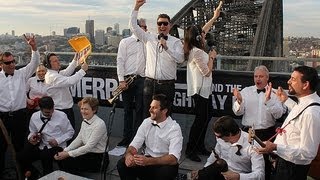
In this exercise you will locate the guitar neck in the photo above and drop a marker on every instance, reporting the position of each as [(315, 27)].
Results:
[(259, 141)]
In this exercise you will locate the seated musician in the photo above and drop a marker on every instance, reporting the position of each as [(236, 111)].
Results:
[(86, 152), (233, 147), (50, 130), (163, 144)]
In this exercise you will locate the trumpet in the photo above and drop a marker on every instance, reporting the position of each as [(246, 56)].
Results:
[(116, 93)]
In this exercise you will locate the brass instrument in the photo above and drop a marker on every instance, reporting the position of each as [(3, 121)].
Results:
[(116, 93)]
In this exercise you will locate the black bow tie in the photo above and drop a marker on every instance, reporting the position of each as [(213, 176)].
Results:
[(239, 148), (162, 36), (6, 74), (86, 122), (154, 124), (40, 80), (44, 118), (261, 90)]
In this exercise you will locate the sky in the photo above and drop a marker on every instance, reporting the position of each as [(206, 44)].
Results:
[(301, 17)]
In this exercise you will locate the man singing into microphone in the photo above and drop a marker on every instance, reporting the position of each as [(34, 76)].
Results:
[(163, 52)]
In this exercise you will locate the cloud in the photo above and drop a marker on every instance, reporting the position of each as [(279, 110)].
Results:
[(46, 15), (301, 18)]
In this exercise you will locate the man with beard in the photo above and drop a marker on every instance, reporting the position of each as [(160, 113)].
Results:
[(298, 139), (260, 108), (163, 144)]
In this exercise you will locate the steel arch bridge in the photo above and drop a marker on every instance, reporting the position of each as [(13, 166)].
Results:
[(244, 28)]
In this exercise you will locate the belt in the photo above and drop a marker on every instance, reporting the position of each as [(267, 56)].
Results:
[(161, 81), (10, 113), (130, 75)]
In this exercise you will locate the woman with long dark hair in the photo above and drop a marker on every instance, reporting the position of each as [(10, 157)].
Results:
[(199, 80)]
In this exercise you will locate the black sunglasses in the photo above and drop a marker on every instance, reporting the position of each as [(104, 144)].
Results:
[(9, 62), (162, 23)]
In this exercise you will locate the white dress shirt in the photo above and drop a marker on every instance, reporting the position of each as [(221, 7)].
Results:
[(12, 88), (131, 57), (250, 164), (197, 69), (59, 84), (160, 64), (58, 128), (160, 141), (36, 89), (300, 141), (256, 112), (92, 138)]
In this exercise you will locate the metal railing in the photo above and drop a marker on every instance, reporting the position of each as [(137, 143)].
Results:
[(226, 63)]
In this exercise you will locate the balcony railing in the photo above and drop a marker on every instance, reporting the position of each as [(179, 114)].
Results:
[(227, 63)]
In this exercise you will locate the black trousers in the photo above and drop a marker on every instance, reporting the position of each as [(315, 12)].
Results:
[(286, 170), (17, 127), (70, 114), (209, 173), (156, 172), (203, 110), (89, 162), (31, 153), (264, 135), (152, 87), (133, 99)]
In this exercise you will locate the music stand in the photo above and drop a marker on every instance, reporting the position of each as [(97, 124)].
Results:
[(103, 168)]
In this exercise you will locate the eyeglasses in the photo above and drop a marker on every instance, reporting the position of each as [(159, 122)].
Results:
[(9, 62), (162, 23)]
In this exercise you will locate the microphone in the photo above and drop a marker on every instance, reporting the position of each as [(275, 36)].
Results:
[(211, 42), (162, 36)]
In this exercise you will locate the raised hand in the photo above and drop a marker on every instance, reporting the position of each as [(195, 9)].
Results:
[(84, 66), (268, 92), (31, 41), (281, 94), (217, 11), (237, 94), (138, 4)]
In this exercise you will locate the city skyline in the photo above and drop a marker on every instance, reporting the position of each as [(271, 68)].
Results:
[(301, 18)]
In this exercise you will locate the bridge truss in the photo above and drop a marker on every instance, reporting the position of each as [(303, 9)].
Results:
[(244, 28)]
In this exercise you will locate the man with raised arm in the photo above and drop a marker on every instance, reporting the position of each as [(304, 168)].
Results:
[(163, 52), (13, 98)]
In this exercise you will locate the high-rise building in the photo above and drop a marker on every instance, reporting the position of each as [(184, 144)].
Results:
[(126, 33), (109, 30), (13, 33), (90, 30), (117, 28), (100, 37), (71, 31), (114, 41)]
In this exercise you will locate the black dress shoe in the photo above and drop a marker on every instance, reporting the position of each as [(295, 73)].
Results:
[(194, 157), (124, 143), (204, 151)]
